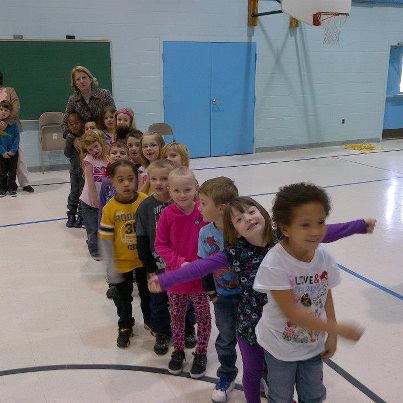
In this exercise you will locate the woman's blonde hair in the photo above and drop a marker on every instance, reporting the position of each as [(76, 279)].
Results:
[(181, 149), (90, 137), (82, 69), (158, 139), (241, 204)]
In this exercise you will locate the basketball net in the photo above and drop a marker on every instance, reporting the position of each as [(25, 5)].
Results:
[(331, 23)]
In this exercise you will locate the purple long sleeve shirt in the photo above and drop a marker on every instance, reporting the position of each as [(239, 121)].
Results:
[(202, 267)]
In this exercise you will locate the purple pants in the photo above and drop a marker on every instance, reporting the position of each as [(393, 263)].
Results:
[(178, 306), (253, 365)]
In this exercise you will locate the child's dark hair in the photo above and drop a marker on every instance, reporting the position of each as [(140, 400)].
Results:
[(6, 105), (138, 134), (291, 196), (118, 144), (221, 189), (75, 114), (111, 170), (241, 204)]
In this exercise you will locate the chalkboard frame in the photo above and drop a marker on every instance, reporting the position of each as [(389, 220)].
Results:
[(39, 70)]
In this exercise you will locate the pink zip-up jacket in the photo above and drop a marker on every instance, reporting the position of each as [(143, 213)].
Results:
[(176, 242)]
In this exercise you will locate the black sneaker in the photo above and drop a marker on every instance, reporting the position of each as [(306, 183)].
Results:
[(190, 337), (199, 366), (161, 345), (124, 335), (111, 292), (71, 220), (176, 364), (79, 222), (96, 256), (3, 193), (12, 193), (28, 189)]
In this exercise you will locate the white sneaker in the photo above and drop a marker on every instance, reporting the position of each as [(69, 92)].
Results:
[(222, 390)]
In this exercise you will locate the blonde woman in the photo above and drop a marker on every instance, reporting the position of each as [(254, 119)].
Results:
[(88, 100)]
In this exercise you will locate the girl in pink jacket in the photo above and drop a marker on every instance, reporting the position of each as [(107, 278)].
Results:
[(177, 244)]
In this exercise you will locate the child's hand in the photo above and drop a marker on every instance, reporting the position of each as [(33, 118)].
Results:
[(370, 224), (350, 331), (184, 264), (11, 154), (3, 125), (154, 284), (5, 155), (330, 346)]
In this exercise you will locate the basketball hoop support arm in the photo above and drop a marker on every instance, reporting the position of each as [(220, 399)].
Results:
[(253, 8)]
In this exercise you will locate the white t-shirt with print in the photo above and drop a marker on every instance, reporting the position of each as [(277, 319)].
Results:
[(309, 284)]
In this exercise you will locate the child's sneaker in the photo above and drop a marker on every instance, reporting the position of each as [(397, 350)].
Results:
[(176, 364), (3, 193), (71, 220), (12, 193), (161, 345), (96, 256), (199, 366), (124, 335), (79, 222), (222, 390), (190, 337)]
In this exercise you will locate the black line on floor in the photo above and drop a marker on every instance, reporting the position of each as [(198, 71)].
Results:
[(355, 382), (138, 368)]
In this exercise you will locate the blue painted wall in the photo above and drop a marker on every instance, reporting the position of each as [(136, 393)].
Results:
[(393, 118), (303, 88)]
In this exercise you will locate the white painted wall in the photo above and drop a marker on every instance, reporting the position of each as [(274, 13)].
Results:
[(303, 88)]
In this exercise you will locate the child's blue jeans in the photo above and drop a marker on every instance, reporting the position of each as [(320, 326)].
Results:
[(307, 376)]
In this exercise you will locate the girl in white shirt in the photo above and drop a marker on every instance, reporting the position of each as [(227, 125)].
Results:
[(298, 326)]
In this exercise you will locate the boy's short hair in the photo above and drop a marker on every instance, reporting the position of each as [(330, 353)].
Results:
[(137, 134), (161, 164), (221, 189), (118, 144), (6, 105)]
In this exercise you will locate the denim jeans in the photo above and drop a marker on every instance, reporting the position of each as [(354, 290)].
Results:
[(90, 216), (226, 311), (307, 376), (160, 317), (76, 187)]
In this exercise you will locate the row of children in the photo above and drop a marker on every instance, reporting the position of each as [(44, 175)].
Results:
[(90, 147), (183, 234), (9, 144), (132, 241)]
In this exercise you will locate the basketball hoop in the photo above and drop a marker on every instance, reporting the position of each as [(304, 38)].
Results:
[(332, 23)]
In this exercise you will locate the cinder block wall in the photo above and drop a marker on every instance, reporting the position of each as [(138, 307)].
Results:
[(303, 88)]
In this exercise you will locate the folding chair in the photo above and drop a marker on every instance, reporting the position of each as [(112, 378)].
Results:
[(50, 133), (163, 129)]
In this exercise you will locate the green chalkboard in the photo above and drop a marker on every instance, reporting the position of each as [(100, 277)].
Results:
[(40, 71)]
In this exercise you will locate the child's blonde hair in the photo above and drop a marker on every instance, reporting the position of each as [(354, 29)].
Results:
[(90, 137), (241, 204), (220, 190), (158, 139), (161, 164), (182, 172), (179, 148)]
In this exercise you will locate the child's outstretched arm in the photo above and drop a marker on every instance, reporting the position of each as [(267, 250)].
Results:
[(191, 271), (113, 276), (91, 184), (285, 301), (342, 230)]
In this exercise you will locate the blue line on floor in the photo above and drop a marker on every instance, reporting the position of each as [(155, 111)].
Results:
[(31, 222), (367, 280)]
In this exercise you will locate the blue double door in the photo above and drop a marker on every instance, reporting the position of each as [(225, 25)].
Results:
[(209, 95)]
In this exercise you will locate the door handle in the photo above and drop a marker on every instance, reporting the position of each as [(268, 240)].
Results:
[(215, 101)]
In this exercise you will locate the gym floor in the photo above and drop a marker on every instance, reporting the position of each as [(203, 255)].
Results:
[(58, 333)]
